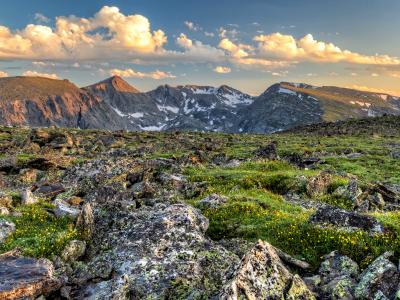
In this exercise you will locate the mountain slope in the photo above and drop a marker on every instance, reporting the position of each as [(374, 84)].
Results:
[(114, 104)]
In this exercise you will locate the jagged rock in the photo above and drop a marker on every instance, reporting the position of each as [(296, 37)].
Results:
[(268, 152), (63, 209), (261, 275), (143, 190), (213, 201), (158, 252), (338, 275), (73, 250), (329, 215), (6, 229), (26, 278), (381, 277), (237, 245), (27, 197), (50, 190), (350, 191), (85, 221), (319, 184)]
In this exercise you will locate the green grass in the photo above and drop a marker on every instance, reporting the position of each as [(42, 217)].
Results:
[(38, 233), (256, 210)]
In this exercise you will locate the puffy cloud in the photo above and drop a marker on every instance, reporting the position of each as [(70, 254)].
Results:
[(196, 51), (286, 47), (3, 74), (132, 73), (184, 42), (106, 35), (37, 74), (191, 26), (222, 70)]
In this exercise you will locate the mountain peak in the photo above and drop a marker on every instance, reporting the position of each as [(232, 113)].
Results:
[(115, 83)]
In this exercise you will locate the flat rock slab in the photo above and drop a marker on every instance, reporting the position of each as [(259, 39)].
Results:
[(26, 277)]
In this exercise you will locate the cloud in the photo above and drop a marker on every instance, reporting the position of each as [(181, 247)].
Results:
[(191, 26), (135, 74), (222, 70), (286, 47), (40, 18), (374, 90), (106, 35), (196, 51), (209, 34), (37, 74), (3, 74), (184, 42)]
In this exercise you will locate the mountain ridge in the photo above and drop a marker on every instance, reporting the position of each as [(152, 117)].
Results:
[(115, 104)]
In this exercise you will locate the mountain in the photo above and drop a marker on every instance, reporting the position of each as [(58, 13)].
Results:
[(114, 104)]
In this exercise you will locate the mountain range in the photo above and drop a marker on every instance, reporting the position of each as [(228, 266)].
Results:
[(114, 104)]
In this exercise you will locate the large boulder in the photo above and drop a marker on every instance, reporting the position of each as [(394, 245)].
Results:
[(26, 278), (381, 278), (7, 228), (158, 252), (262, 275), (332, 216)]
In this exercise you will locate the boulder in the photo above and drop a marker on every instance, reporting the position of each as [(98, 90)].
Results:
[(63, 209), (350, 191), (7, 228), (26, 278), (212, 201), (28, 175), (73, 251), (329, 215), (380, 278), (268, 152), (50, 190), (85, 221), (158, 252), (27, 197), (319, 184), (262, 275)]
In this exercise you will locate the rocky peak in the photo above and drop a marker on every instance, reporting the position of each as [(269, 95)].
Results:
[(113, 84)]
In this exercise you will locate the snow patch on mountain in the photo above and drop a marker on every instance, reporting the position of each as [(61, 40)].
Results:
[(286, 91)]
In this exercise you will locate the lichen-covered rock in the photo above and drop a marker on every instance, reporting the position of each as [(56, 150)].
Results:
[(7, 228), (332, 216), (381, 277), (63, 209), (73, 251), (85, 221), (262, 275), (158, 252), (26, 278), (350, 191), (319, 184), (336, 265), (50, 190), (212, 201), (27, 197)]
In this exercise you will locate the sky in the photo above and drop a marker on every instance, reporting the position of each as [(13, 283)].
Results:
[(248, 45)]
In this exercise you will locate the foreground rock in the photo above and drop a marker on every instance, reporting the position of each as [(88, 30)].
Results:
[(331, 216), (27, 278), (261, 275), (156, 252), (6, 229)]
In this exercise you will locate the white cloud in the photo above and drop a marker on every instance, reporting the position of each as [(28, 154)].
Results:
[(41, 18), (375, 75), (209, 34), (184, 42), (3, 74), (191, 26), (222, 70), (132, 73), (374, 90), (37, 74)]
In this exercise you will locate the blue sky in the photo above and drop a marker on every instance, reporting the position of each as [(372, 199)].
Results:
[(248, 45)]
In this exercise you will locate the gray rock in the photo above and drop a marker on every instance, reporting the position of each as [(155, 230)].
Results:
[(85, 221), (27, 197), (212, 201), (26, 278), (332, 216), (63, 209), (350, 191), (7, 228), (261, 275), (73, 250), (381, 276)]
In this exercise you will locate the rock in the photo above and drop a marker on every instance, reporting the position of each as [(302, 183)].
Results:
[(28, 175), (142, 190), (212, 201), (40, 163), (234, 163), (395, 154), (7, 228), (73, 251), (158, 252), (354, 155), (237, 245), (135, 177), (369, 201), (381, 277), (75, 201), (268, 152), (338, 275), (85, 221), (313, 282), (329, 215), (63, 209), (4, 211), (27, 197), (261, 275), (350, 191), (26, 278), (50, 190), (319, 184), (6, 200), (302, 162)]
